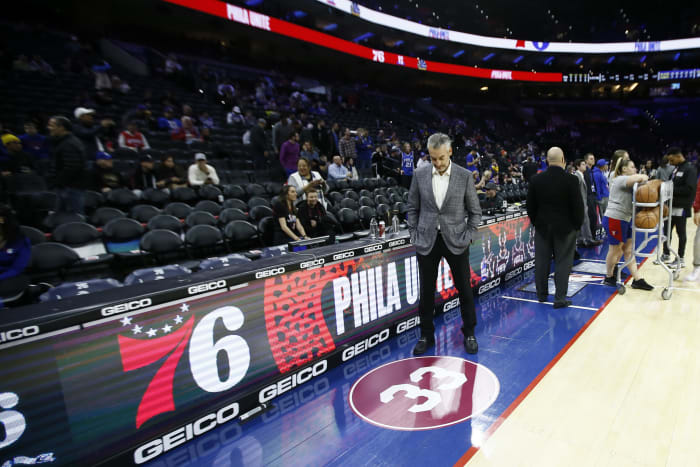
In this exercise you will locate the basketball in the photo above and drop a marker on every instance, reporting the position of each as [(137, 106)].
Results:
[(646, 219), (656, 211), (647, 193)]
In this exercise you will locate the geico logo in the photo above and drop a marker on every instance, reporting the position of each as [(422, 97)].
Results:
[(206, 287), (529, 265), (363, 363), (454, 303), (14, 334), (290, 382), (363, 345), (408, 324), (489, 286), (490, 221), (269, 272), (158, 446), (514, 273), (397, 243), (129, 306), (297, 398), (312, 263), (373, 248), (347, 254)]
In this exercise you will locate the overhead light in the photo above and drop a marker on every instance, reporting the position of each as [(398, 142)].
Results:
[(610, 60), (458, 54), (299, 14), (549, 60), (488, 57), (517, 59), (580, 59), (398, 43), (676, 57), (363, 37), (330, 27), (633, 86), (641, 60), (484, 88)]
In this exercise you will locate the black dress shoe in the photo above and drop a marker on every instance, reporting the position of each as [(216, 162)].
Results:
[(423, 345), (541, 299), (563, 304), (470, 345)]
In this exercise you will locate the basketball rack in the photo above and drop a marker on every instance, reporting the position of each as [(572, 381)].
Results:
[(656, 233)]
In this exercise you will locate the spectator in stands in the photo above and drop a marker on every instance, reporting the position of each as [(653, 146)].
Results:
[(172, 66), (322, 138), (34, 143), (424, 159), (305, 180), (378, 156), (200, 173), (664, 171), (308, 152), (258, 146), (144, 176), (346, 146), (206, 121), (119, 85), (289, 153), (105, 177), (102, 79), (494, 198), (227, 94), (70, 162), (132, 138), (337, 171), (168, 121), (17, 161), (363, 147), (407, 164), (287, 226), (170, 175), (235, 117), (142, 116), (601, 185), (281, 132), (188, 112), (529, 168), (312, 215), (485, 178), (322, 166), (15, 253), (648, 169), (187, 132), (335, 135), (89, 133), (352, 170)]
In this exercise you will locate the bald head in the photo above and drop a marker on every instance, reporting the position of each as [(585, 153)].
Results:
[(555, 157)]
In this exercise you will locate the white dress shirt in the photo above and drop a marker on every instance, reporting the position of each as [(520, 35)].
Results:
[(440, 184)]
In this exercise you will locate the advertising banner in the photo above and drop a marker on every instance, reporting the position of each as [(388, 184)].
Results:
[(140, 378)]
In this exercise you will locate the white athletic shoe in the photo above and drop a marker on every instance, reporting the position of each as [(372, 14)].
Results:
[(693, 276)]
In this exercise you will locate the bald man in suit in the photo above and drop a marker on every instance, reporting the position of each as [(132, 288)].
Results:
[(555, 208)]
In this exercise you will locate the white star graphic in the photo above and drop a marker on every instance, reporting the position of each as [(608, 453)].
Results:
[(137, 329), (167, 328), (126, 321), (185, 307), (178, 319), (152, 332)]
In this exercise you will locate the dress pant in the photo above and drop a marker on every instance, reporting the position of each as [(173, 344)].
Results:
[(562, 246), (428, 270), (679, 223), (592, 204)]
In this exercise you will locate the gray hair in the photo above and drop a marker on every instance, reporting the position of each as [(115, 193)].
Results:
[(437, 140)]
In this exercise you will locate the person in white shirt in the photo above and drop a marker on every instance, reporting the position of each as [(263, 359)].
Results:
[(200, 173)]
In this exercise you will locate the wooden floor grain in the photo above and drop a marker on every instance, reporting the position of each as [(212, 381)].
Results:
[(627, 393)]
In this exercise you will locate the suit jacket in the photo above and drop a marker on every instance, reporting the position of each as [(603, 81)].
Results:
[(459, 215), (554, 201)]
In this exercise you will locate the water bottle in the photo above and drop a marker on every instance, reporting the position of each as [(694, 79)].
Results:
[(395, 224), (373, 229)]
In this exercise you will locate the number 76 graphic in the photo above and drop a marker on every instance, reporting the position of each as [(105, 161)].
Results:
[(203, 352)]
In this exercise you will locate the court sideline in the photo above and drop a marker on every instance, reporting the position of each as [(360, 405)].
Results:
[(626, 393)]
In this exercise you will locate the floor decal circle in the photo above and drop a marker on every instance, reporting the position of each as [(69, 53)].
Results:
[(423, 393)]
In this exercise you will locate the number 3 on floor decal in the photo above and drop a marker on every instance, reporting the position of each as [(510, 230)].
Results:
[(413, 392), (433, 398)]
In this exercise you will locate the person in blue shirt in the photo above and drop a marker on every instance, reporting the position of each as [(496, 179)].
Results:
[(168, 121), (36, 144), (337, 171), (15, 253), (407, 164), (364, 146), (601, 185), (473, 160)]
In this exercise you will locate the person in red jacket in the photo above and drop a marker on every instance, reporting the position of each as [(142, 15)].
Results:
[(695, 275), (132, 138)]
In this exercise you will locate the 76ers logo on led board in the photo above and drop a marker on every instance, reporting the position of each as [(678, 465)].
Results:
[(142, 348), (423, 393)]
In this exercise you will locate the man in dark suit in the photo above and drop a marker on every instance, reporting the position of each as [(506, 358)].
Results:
[(555, 208), (443, 214)]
